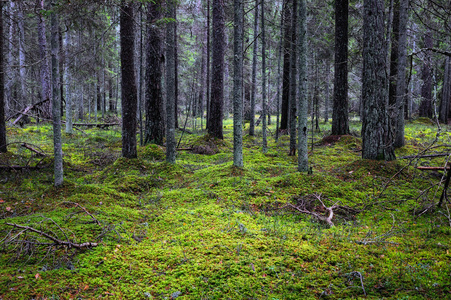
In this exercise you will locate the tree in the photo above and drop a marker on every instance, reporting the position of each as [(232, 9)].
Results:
[(376, 140), (44, 71), (446, 92), (293, 79), (425, 109), (128, 93), (238, 84), (401, 82), (303, 105), (286, 65), (170, 82), (56, 101), (340, 124), (254, 71), (69, 128), (3, 147), (265, 109), (217, 86), (154, 99)]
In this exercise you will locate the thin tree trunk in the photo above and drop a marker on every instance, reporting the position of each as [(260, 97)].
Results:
[(3, 142), (279, 58), (303, 106), (68, 86), (56, 103), (401, 81), (129, 92), (254, 72), (425, 109), (45, 71), (446, 92), (22, 70), (326, 98), (238, 84), (265, 109), (170, 83), (208, 100), (294, 78)]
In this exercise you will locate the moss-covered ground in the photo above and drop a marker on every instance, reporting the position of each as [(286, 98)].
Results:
[(202, 229)]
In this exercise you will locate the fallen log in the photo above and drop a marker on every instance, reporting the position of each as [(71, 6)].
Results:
[(25, 145), (27, 109), (433, 168), (98, 125)]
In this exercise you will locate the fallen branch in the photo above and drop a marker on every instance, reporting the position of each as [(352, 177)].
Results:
[(184, 149), (54, 239), (326, 219), (27, 146), (98, 125), (84, 209), (424, 156), (433, 168), (9, 168), (27, 109)]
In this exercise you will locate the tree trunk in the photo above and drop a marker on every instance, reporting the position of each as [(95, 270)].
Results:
[(401, 81), (68, 86), (129, 92), (446, 92), (340, 124), (394, 55), (376, 143), (254, 72), (154, 100), (217, 87), (44, 71), (264, 106), (56, 102), (293, 79), (303, 78), (279, 58), (238, 84), (425, 109), (170, 83), (208, 79), (286, 65), (3, 142), (22, 70), (326, 98)]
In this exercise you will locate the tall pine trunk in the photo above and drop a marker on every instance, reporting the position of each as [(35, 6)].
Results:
[(3, 147), (264, 104), (340, 124), (217, 86), (56, 102), (154, 132), (238, 84), (286, 65), (376, 136), (293, 79), (44, 71), (170, 83), (254, 71), (129, 93), (303, 105)]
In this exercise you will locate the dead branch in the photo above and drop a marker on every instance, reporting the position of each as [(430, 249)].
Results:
[(54, 239), (326, 219), (84, 209), (433, 168), (424, 156), (27, 109), (29, 147), (98, 125)]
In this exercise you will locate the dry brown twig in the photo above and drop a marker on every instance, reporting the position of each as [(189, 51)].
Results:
[(320, 217), (84, 209)]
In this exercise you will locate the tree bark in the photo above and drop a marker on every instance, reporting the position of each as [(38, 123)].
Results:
[(376, 140), (238, 84), (217, 87), (286, 65), (170, 83), (154, 99), (68, 83), (254, 72), (293, 79), (56, 102), (401, 81), (129, 93), (303, 80), (340, 124), (425, 109), (446, 92), (3, 142), (264, 105), (44, 71)]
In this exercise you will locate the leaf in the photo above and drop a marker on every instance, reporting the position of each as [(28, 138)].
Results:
[(86, 287), (2, 201), (8, 208), (37, 276)]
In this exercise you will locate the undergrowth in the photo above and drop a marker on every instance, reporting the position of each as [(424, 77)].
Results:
[(203, 229)]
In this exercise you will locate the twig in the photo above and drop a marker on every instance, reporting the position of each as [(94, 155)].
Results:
[(357, 274), (84, 209), (29, 147), (54, 239), (320, 217)]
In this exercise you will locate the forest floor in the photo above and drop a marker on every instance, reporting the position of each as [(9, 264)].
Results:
[(202, 229)]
